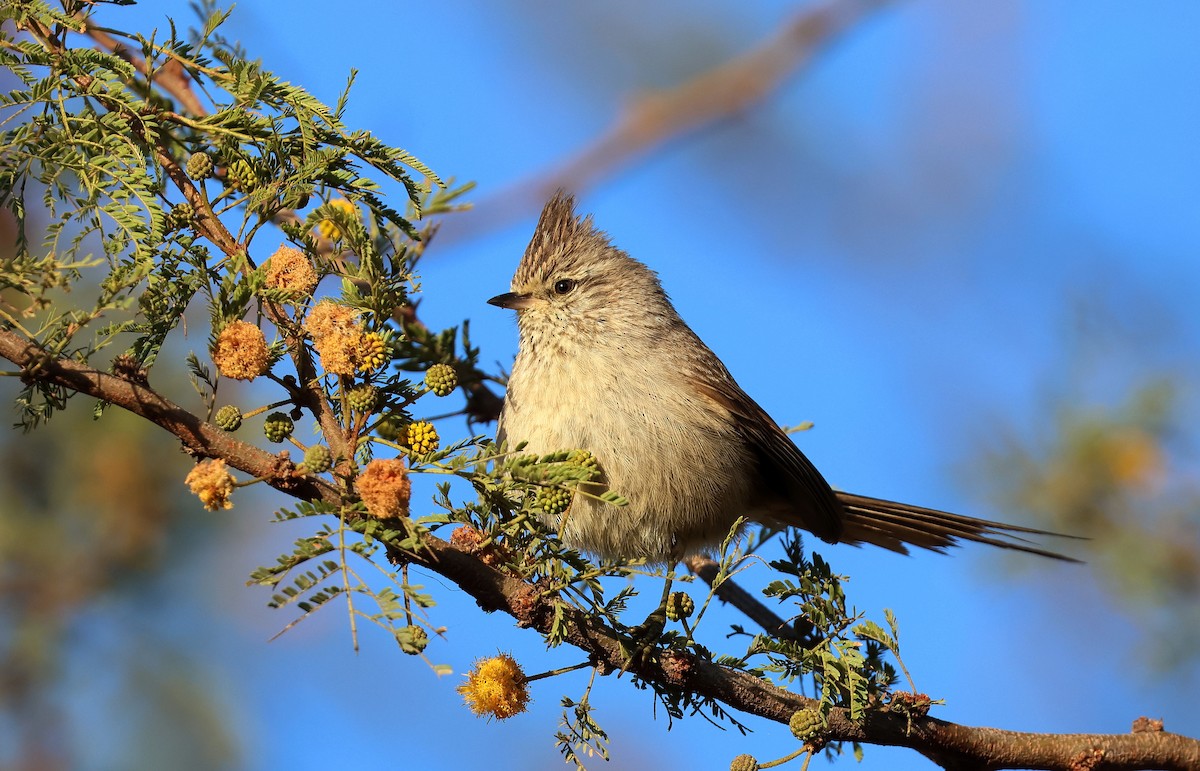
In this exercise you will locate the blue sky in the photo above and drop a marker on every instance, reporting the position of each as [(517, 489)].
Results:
[(889, 247)]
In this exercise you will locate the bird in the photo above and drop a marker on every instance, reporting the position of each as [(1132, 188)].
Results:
[(605, 364)]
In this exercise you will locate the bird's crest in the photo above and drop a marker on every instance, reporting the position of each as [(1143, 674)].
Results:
[(559, 233)]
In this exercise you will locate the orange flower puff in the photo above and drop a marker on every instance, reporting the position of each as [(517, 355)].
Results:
[(337, 336), (385, 488), (241, 351), (496, 687), (211, 483), (290, 271)]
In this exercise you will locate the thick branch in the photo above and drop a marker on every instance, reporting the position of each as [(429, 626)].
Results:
[(198, 438), (953, 746)]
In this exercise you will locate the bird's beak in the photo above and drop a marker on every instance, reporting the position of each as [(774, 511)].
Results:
[(512, 300)]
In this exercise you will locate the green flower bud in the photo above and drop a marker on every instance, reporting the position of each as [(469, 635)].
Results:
[(180, 216), (680, 605), (278, 427), (806, 724), (199, 166), (412, 639), (363, 399), (317, 459), (586, 460), (441, 379), (229, 417), (240, 176), (744, 763), (553, 500)]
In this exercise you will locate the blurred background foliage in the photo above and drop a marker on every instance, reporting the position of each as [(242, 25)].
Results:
[(1122, 470), (964, 240)]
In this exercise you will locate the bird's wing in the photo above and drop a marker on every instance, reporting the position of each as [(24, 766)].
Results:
[(784, 472)]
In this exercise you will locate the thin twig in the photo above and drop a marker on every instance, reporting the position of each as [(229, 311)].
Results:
[(728, 591)]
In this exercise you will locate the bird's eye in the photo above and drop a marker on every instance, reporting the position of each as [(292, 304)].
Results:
[(564, 286)]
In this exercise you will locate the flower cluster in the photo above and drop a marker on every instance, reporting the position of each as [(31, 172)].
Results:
[(240, 176), (385, 488), (180, 216), (412, 639), (553, 500), (229, 417), (363, 398), (278, 427), (339, 338), (374, 352), (317, 459), (211, 483), (199, 166), (420, 437), (241, 351), (496, 686), (807, 724), (441, 379), (289, 271), (680, 605), (329, 229), (744, 763)]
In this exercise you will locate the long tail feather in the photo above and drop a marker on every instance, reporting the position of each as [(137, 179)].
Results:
[(897, 526)]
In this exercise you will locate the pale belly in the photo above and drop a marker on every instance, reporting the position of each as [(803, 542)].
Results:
[(669, 452)]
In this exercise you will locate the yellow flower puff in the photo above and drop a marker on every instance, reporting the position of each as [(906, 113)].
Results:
[(211, 483), (496, 687), (338, 337)]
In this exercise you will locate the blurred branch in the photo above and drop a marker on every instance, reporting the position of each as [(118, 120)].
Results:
[(171, 77), (655, 118), (800, 631)]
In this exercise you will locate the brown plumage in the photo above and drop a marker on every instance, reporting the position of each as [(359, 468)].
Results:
[(607, 365)]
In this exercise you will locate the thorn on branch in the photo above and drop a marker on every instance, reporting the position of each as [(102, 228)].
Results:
[(1146, 725)]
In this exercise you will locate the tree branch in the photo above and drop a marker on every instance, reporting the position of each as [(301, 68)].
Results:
[(198, 437), (728, 591), (654, 118), (171, 77), (951, 745)]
